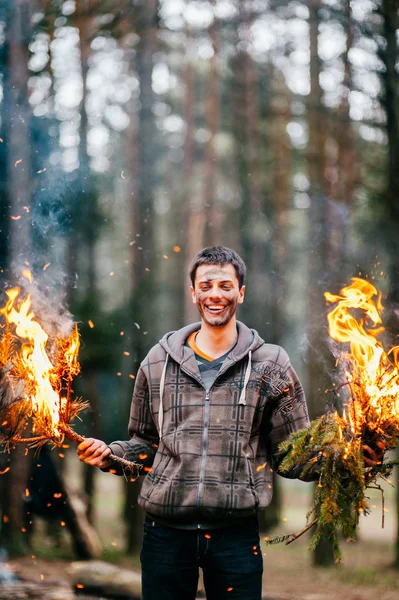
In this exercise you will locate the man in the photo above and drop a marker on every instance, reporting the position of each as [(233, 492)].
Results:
[(211, 404)]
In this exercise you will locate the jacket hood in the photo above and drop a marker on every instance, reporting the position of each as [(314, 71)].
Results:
[(174, 342)]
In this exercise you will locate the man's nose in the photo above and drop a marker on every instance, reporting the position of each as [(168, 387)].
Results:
[(215, 292)]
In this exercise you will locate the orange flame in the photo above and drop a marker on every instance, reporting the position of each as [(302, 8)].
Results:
[(38, 368), (370, 371)]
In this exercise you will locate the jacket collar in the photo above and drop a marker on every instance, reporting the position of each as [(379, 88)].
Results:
[(174, 344)]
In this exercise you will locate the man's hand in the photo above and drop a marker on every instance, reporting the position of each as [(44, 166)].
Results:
[(94, 452), (374, 456)]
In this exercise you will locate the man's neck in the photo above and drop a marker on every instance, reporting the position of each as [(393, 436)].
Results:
[(216, 341)]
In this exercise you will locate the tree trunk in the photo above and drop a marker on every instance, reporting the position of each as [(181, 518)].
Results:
[(194, 219), (317, 334), (281, 203), (17, 138), (84, 226), (390, 84), (211, 123), (19, 143), (344, 174), (4, 160), (142, 222), (390, 56)]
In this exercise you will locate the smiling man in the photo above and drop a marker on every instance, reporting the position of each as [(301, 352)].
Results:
[(211, 404)]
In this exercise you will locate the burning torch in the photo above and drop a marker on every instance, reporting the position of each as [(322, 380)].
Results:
[(36, 381)]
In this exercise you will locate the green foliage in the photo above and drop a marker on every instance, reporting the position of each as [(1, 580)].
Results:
[(340, 494)]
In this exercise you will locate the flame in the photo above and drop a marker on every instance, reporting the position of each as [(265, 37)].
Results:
[(371, 373), (42, 375)]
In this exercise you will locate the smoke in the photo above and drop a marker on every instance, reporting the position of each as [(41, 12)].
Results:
[(47, 301), (38, 267)]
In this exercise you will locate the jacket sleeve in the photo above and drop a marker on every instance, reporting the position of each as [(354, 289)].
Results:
[(287, 413), (144, 439)]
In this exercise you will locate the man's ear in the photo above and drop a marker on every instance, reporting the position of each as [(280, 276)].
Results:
[(193, 294), (241, 296)]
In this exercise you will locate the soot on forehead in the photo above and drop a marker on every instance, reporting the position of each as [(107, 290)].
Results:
[(216, 271)]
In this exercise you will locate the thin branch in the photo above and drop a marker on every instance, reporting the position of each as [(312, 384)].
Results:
[(378, 487), (295, 536)]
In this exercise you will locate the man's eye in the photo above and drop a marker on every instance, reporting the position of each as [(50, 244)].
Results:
[(204, 289), (226, 287)]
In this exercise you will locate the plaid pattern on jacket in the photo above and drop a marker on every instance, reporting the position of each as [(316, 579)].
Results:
[(215, 458)]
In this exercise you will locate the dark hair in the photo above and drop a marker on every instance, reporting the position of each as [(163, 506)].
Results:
[(218, 255)]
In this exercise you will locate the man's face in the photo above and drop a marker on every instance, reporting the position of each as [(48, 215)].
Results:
[(216, 293)]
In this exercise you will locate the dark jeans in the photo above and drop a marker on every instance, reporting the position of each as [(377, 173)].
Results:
[(231, 560)]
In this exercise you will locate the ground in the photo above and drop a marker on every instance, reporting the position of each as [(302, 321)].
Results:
[(365, 573)]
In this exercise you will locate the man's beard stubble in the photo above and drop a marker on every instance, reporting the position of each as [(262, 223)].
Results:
[(221, 322)]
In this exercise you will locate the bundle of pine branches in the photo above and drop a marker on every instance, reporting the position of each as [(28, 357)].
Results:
[(341, 493)]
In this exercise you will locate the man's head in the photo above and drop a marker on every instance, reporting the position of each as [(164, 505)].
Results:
[(217, 276)]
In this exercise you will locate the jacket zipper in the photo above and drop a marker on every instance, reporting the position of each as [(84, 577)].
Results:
[(205, 437), (204, 443)]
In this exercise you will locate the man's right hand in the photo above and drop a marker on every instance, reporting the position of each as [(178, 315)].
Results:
[(94, 452)]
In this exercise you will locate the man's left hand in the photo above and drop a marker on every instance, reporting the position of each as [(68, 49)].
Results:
[(374, 456)]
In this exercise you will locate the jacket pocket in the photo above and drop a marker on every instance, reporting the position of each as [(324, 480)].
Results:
[(159, 471), (252, 482)]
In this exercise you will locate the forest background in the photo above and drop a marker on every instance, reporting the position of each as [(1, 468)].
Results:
[(132, 134)]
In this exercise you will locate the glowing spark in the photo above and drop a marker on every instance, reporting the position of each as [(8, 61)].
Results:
[(26, 209), (41, 171), (26, 273), (46, 266), (123, 174), (91, 324), (16, 218), (17, 162), (176, 249), (261, 467)]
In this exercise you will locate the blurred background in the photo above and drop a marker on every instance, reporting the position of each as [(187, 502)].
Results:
[(134, 133)]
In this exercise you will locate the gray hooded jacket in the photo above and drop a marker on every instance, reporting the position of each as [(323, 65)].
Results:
[(209, 455)]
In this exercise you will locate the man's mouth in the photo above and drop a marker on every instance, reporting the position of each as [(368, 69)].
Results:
[(215, 308)]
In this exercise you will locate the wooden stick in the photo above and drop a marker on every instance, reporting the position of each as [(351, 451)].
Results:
[(378, 487), (295, 536), (130, 468)]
